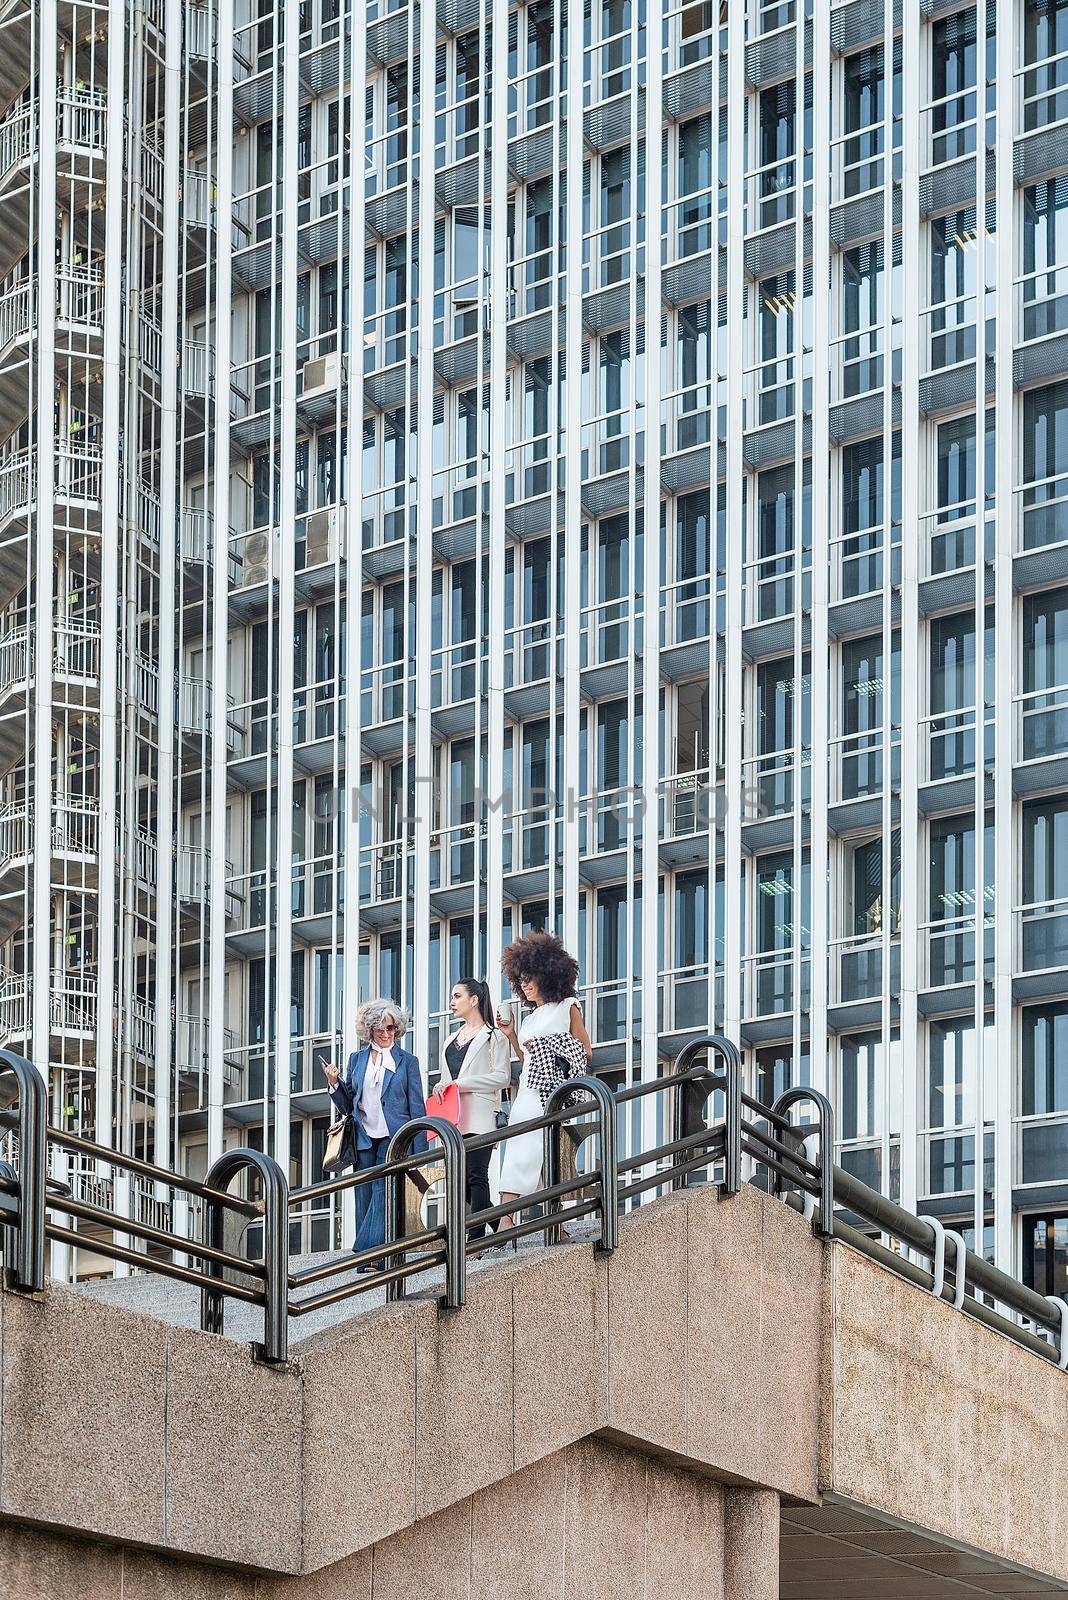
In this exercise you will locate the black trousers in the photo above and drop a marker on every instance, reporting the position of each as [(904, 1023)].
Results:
[(478, 1189)]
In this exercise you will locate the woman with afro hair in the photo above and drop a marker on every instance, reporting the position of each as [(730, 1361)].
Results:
[(543, 974)]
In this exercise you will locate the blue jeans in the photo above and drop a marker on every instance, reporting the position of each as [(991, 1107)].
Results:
[(371, 1199)]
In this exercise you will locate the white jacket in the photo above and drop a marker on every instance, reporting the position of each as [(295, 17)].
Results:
[(485, 1072)]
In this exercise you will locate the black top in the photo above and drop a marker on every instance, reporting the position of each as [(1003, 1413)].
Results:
[(455, 1053)]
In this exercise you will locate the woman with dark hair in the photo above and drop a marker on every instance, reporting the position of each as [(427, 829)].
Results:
[(541, 971), (477, 1061)]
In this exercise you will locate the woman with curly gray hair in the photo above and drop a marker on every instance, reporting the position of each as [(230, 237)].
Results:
[(381, 1089)]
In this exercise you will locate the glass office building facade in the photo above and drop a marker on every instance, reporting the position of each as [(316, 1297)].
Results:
[(579, 464)]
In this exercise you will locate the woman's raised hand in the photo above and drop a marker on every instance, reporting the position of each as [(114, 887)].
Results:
[(331, 1074)]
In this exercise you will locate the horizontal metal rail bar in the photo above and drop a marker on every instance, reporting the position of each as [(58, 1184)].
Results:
[(537, 1197), (144, 1230), (349, 1291), (520, 1230), (359, 1258), (145, 1169), (707, 1139), (773, 1165), (352, 1180), (497, 1136), (663, 1178), (768, 1114), (169, 1269), (794, 1157), (670, 1080)]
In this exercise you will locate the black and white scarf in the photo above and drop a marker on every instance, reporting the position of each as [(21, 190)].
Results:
[(551, 1060)]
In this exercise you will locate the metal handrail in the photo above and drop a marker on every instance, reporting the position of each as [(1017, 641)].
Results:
[(455, 1159), (275, 1347), (801, 1174)]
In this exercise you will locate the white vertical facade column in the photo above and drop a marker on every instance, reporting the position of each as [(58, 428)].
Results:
[(43, 525), (979, 791), (912, 856), (110, 1005), (568, 780), (170, 512), (498, 429), (223, 278), (885, 1085), (287, 451), (821, 689), (736, 163), (652, 575), (424, 554), (352, 48), (797, 663), (1005, 645)]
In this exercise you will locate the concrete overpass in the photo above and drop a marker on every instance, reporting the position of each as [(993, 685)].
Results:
[(726, 1406)]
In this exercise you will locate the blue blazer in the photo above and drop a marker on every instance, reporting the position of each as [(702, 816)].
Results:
[(402, 1094)]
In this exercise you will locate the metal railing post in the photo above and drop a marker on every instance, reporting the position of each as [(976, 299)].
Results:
[(275, 1346), (824, 1223), (454, 1157), (29, 1255), (608, 1168), (691, 1098)]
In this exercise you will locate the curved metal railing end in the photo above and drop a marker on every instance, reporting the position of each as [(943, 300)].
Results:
[(275, 1346), (607, 1171), (454, 1156)]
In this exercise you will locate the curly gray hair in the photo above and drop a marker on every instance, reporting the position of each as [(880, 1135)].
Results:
[(373, 1013)]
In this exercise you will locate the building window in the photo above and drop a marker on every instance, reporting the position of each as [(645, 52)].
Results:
[(1044, 1093), (954, 259), (775, 1071), (1045, 1242), (1044, 729), (1045, 459), (953, 68), (863, 114), (1045, 30), (952, 899), (862, 711), (1044, 883), (1045, 250), (862, 317)]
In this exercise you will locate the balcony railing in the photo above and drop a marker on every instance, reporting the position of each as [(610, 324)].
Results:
[(16, 138), (80, 296), (947, 947), (198, 369), (687, 806), (857, 968), (768, 983), (769, 783), (72, 1005), (18, 312), (858, 562), (1041, 508), (196, 1041), (18, 483), (1042, 724), (857, 764), (1042, 935), (78, 473), (198, 198), (1041, 303)]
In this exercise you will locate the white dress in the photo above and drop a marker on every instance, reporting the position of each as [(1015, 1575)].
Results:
[(521, 1157)]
